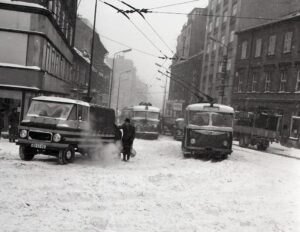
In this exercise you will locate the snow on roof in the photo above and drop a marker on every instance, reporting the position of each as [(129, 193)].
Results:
[(19, 87), (20, 3), (19, 66), (61, 99), (81, 54), (207, 107), (143, 108)]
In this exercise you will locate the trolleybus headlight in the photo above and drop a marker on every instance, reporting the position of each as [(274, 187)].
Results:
[(225, 143), (56, 138), (23, 134), (193, 141)]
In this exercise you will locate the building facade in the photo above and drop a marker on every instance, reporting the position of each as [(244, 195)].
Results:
[(100, 71), (36, 39), (186, 66), (268, 73), (127, 88), (225, 17)]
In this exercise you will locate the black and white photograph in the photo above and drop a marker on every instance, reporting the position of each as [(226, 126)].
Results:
[(149, 115)]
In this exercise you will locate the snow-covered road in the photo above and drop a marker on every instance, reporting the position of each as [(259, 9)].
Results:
[(158, 190)]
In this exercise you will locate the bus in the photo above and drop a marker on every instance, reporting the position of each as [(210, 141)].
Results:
[(146, 120), (208, 130)]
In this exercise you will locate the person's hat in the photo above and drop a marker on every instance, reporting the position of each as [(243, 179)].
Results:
[(127, 120)]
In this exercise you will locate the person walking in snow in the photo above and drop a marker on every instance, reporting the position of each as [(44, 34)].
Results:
[(127, 138)]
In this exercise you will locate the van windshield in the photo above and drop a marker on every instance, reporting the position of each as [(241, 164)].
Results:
[(48, 109), (222, 119), (199, 118)]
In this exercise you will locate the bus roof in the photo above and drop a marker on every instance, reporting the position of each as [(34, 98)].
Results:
[(61, 99), (143, 108), (207, 107)]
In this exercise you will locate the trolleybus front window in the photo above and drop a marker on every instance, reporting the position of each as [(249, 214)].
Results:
[(222, 120), (199, 118), (152, 115)]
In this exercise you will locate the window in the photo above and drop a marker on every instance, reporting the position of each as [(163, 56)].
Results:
[(223, 39), (295, 127), (244, 50), (221, 119), (258, 48), (298, 81), (267, 81), (232, 36), (287, 42), (272, 43), (217, 21), (283, 79), (229, 64), (254, 82), (234, 9), (225, 18), (199, 118), (240, 84), (210, 26), (215, 46)]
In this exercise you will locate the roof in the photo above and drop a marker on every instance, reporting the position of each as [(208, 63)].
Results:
[(179, 119), (282, 19), (143, 108), (21, 3), (206, 107), (61, 99)]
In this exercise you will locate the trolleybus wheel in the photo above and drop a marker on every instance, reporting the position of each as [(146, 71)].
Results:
[(66, 156)]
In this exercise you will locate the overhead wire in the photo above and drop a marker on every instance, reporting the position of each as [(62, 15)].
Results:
[(175, 4)]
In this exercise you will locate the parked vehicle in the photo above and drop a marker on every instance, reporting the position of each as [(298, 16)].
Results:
[(178, 129), (167, 125), (208, 130), (145, 119), (257, 128), (61, 126)]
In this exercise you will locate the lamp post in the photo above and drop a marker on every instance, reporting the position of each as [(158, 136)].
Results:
[(117, 107), (224, 65), (112, 73), (89, 98)]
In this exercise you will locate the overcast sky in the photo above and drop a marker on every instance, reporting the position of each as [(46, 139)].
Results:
[(115, 26)]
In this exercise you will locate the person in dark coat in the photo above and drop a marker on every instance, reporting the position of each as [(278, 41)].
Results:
[(127, 138), (13, 120)]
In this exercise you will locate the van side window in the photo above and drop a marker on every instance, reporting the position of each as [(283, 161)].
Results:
[(73, 114), (83, 113)]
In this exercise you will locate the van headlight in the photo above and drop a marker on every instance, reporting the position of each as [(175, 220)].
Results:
[(193, 141), (225, 143), (23, 134), (56, 138)]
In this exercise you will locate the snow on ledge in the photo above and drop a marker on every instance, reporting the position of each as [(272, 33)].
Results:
[(9, 65), (20, 3)]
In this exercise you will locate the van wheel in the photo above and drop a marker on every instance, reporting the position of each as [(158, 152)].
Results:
[(66, 156), (26, 153)]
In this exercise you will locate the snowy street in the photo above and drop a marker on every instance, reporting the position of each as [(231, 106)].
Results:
[(158, 190)]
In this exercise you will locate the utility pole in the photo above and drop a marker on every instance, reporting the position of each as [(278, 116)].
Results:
[(89, 98), (165, 95), (224, 75)]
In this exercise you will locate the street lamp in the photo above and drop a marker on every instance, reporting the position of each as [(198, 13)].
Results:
[(117, 107), (112, 73), (224, 65)]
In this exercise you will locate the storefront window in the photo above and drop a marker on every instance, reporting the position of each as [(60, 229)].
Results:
[(295, 128)]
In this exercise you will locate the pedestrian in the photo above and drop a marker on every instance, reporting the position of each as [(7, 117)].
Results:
[(13, 120), (127, 138), (1, 123)]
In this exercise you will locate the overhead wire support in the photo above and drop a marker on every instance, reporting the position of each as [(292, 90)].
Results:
[(146, 37)]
